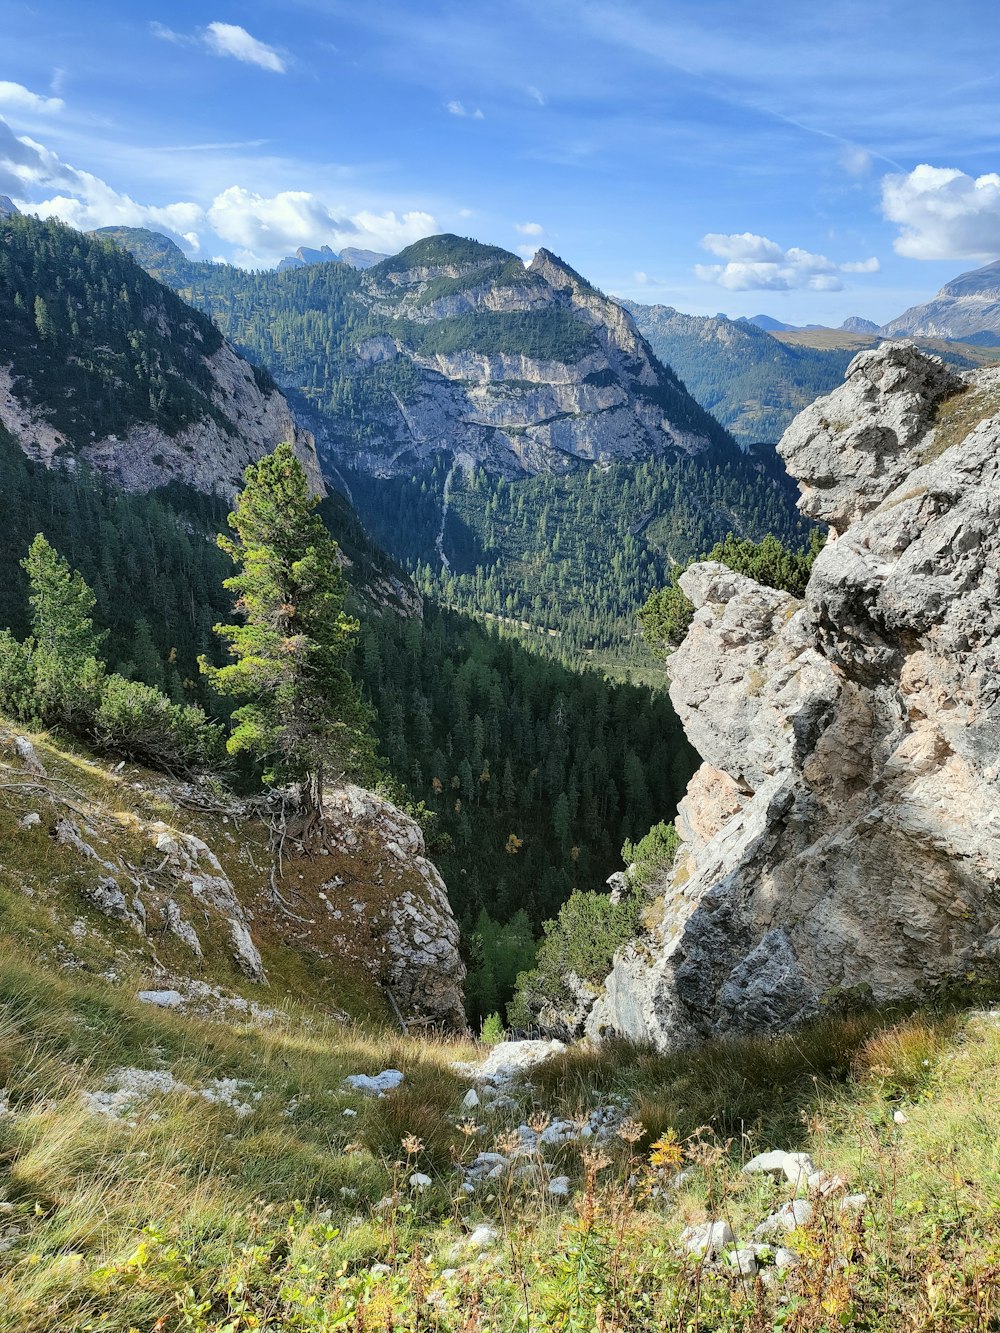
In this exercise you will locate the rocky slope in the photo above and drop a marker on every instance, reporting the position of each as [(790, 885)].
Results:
[(140, 387), (843, 833), (964, 307), (166, 887)]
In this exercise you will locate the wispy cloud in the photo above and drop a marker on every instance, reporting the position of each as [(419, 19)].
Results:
[(756, 263), (529, 228), (15, 97), (456, 108), (226, 39), (229, 39), (535, 94)]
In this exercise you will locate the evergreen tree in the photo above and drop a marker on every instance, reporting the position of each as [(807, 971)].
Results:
[(304, 719), (62, 607)]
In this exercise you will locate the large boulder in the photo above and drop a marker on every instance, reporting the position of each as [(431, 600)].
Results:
[(843, 835)]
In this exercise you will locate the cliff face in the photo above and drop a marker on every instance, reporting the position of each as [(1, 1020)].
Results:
[(844, 829), (210, 453), (517, 369)]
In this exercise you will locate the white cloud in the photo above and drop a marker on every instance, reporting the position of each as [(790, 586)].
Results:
[(642, 279), (229, 39), (535, 94), (456, 108), (225, 39), (529, 228), (756, 263), (261, 229), (18, 98), (943, 213)]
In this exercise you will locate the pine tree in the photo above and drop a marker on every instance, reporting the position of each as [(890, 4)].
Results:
[(62, 607), (304, 719)]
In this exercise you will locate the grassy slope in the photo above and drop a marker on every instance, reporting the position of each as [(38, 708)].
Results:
[(192, 1216), (311, 958)]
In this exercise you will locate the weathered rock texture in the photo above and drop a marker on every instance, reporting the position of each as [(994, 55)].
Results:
[(844, 830)]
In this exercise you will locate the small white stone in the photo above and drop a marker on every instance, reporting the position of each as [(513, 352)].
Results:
[(470, 1101), (900, 1118), (377, 1085), (419, 1182), (31, 820), (853, 1203), (710, 1238), (559, 1187)]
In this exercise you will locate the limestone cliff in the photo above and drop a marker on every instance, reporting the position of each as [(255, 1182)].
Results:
[(210, 453), (843, 833)]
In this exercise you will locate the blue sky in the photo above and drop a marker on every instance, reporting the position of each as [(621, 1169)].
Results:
[(807, 161)]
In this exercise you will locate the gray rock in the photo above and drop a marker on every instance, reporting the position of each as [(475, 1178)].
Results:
[(843, 835), (709, 1238), (743, 1260), (163, 999), (31, 820), (375, 1085), (28, 756), (797, 1213)]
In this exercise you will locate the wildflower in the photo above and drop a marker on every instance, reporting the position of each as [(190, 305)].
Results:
[(666, 1153)]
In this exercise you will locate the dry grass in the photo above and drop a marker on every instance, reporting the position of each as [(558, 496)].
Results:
[(191, 1216)]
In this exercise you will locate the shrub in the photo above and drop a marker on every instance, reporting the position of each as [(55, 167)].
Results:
[(137, 720), (493, 1031), (651, 856), (581, 942)]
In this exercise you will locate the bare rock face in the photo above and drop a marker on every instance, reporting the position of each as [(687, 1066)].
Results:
[(404, 905), (851, 448), (209, 454), (843, 835)]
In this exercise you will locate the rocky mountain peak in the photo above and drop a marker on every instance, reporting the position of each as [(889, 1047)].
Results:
[(965, 306), (842, 837), (7, 206)]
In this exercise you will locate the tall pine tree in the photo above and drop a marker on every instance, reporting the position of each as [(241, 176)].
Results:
[(304, 719)]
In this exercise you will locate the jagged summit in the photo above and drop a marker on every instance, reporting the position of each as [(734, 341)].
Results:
[(7, 206)]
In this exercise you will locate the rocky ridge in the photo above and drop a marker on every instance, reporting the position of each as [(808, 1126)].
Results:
[(842, 838)]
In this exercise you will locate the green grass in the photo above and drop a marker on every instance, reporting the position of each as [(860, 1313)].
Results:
[(299, 1217)]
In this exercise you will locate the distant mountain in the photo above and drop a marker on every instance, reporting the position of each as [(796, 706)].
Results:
[(324, 255), (101, 363), (505, 431), (361, 258), (746, 378), (857, 324), (766, 323), (304, 255), (7, 206), (968, 305), (450, 346)]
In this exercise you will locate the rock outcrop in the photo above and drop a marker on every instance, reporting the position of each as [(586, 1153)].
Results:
[(843, 835), (139, 876)]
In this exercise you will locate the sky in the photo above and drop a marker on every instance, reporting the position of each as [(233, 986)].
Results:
[(810, 162)]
